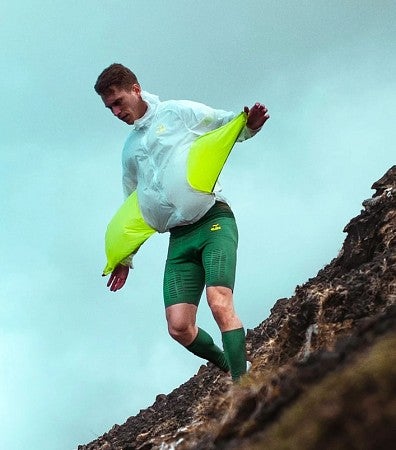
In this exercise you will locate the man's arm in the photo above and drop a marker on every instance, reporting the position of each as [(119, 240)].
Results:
[(201, 119), (129, 182)]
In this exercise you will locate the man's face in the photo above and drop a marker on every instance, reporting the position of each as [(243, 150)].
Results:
[(127, 105)]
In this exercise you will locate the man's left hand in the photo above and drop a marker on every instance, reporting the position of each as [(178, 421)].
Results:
[(257, 116)]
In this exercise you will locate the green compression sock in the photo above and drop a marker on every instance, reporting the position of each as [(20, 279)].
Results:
[(234, 344), (204, 347)]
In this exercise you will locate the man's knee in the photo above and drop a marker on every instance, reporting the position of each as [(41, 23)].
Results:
[(181, 332), (181, 323)]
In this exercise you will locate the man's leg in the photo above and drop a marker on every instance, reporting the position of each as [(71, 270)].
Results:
[(219, 259), (220, 300), (199, 255), (182, 327)]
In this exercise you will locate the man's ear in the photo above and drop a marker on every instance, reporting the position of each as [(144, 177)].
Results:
[(136, 88)]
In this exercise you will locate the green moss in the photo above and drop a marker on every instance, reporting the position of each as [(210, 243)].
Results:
[(352, 408)]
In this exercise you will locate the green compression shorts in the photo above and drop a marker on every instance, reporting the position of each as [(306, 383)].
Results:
[(200, 254)]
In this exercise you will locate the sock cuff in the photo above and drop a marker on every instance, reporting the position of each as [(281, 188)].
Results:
[(235, 331), (201, 334)]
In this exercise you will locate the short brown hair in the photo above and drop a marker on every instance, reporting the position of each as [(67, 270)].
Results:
[(115, 75)]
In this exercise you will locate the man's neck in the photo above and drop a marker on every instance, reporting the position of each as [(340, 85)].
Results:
[(142, 109)]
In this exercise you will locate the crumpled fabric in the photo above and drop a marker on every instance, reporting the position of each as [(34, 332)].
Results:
[(128, 229), (155, 155)]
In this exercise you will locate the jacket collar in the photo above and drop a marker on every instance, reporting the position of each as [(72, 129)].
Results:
[(152, 104)]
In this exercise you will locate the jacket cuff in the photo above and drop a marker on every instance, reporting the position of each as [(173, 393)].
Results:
[(247, 133), (128, 261)]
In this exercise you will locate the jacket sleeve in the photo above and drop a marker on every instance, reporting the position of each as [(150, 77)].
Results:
[(201, 119)]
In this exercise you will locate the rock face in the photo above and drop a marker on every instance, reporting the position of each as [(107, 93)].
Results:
[(323, 372)]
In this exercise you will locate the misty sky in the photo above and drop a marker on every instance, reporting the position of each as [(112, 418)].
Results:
[(76, 359)]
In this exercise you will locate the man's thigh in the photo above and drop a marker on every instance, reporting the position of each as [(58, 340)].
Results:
[(219, 255), (183, 282)]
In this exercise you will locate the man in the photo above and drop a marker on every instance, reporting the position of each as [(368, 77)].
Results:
[(203, 233)]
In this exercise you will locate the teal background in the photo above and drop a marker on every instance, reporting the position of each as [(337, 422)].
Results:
[(76, 359)]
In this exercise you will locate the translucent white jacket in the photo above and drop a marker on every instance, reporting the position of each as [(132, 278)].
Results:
[(154, 160)]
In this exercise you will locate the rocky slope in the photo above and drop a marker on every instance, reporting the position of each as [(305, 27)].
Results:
[(323, 372)]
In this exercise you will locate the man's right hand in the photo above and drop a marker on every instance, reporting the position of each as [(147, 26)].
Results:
[(118, 278), (257, 116)]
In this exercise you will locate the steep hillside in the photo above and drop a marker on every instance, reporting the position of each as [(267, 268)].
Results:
[(323, 372)]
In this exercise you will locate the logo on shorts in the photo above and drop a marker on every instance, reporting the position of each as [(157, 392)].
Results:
[(215, 227)]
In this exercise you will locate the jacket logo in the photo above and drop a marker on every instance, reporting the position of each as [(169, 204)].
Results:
[(215, 227), (160, 129)]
